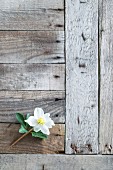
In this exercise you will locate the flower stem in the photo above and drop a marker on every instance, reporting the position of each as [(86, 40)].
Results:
[(15, 142)]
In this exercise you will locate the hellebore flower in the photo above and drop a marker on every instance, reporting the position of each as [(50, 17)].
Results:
[(40, 121)]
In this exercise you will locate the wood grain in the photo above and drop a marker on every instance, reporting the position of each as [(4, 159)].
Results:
[(32, 15), (52, 102), (9, 133), (81, 77), (31, 47), (32, 76), (55, 162), (106, 77)]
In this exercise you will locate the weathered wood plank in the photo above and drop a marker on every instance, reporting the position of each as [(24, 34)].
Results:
[(55, 162), (106, 77), (31, 47), (9, 133), (32, 76), (79, 166), (52, 102), (32, 15), (82, 79)]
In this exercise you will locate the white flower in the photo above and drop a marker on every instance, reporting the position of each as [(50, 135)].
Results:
[(40, 121)]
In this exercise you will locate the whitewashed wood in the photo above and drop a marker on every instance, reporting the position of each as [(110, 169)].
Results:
[(81, 76), (106, 77), (52, 102), (32, 76), (31, 47), (53, 144), (32, 15), (55, 162)]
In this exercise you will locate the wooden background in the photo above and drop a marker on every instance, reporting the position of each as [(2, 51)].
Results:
[(32, 71), (57, 55)]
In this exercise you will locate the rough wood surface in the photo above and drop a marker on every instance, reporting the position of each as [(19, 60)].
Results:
[(31, 47), (55, 162), (32, 15), (81, 76), (52, 102), (9, 133), (32, 76), (106, 77)]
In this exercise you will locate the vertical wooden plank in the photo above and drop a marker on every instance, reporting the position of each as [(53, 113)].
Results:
[(81, 76), (106, 75)]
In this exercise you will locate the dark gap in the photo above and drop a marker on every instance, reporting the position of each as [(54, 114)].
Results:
[(82, 65), (58, 9), (65, 69), (56, 115), (99, 72), (84, 38), (59, 25), (57, 99), (82, 2), (56, 76), (58, 41), (57, 57)]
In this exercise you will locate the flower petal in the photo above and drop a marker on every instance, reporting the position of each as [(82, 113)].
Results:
[(47, 115), (50, 123), (37, 128), (31, 121), (44, 129), (38, 112)]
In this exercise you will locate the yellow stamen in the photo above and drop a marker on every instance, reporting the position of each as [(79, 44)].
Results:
[(41, 121)]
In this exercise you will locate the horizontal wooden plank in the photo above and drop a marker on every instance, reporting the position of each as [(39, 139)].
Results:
[(32, 76), (32, 15), (55, 162), (52, 102), (31, 47), (9, 133)]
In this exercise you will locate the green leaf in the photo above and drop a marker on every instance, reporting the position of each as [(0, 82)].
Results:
[(20, 119), (27, 116), (22, 129), (39, 135)]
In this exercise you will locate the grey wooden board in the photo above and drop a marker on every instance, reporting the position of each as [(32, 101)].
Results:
[(82, 76), (52, 102), (106, 77), (32, 76), (55, 162), (31, 15), (31, 47)]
